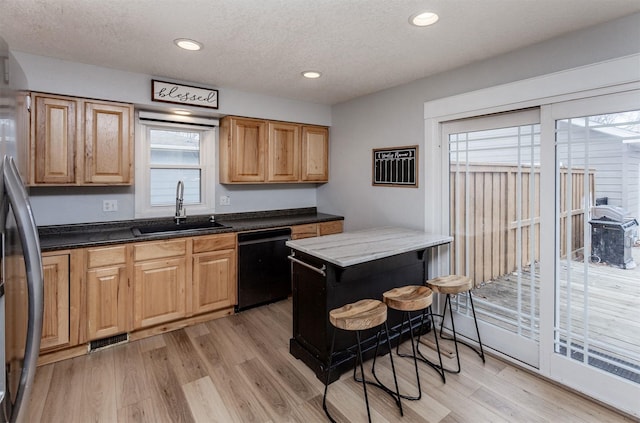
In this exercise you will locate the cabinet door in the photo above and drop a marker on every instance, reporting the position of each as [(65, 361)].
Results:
[(106, 288), (315, 154), (214, 281), (159, 291), (328, 228), (55, 321), (53, 140), (243, 152), (283, 152), (108, 143), (304, 231)]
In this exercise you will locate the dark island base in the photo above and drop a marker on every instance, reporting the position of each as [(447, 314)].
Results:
[(314, 295)]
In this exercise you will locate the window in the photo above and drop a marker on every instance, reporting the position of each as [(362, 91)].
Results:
[(169, 152)]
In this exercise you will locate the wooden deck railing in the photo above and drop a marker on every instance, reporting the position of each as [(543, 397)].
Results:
[(494, 217)]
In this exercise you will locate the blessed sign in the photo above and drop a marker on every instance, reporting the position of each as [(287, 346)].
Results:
[(169, 92), (396, 166)]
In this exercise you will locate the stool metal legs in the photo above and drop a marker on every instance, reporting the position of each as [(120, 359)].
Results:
[(415, 352), (447, 303), (439, 368), (326, 382), (360, 363)]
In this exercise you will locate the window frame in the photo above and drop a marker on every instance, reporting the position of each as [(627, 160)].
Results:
[(143, 207)]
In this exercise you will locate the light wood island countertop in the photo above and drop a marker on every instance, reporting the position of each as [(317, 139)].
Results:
[(351, 248)]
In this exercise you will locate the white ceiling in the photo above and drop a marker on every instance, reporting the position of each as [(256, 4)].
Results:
[(262, 46)]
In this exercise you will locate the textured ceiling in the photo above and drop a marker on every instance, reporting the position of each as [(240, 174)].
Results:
[(360, 46)]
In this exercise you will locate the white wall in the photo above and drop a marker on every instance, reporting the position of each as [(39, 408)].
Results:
[(80, 205), (395, 117)]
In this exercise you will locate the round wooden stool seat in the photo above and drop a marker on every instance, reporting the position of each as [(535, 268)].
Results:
[(356, 317), (408, 298), (361, 315), (450, 284)]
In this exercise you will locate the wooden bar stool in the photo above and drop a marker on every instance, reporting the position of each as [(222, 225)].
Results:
[(356, 317), (454, 285), (408, 299)]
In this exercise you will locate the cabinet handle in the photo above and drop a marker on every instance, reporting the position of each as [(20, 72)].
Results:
[(307, 265)]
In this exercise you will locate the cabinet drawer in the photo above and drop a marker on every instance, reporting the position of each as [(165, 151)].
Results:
[(328, 228), (304, 231), (203, 244), (100, 257), (159, 249)]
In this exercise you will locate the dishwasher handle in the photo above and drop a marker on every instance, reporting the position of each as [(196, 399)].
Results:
[(308, 266)]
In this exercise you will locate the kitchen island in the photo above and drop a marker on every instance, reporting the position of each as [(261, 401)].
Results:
[(331, 271)]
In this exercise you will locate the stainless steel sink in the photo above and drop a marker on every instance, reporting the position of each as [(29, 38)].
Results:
[(160, 228)]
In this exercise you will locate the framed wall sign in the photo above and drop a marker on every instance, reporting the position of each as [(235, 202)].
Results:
[(169, 92), (396, 167)]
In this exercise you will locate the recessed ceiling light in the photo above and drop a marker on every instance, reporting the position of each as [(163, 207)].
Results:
[(188, 44), (311, 74), (424, 19), (182, 112)]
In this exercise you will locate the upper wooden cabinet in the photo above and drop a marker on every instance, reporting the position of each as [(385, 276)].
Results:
[(315, 154), (283, 152), (242, 150), (108, 143), (53, 140), (77, 141), (261, 151)]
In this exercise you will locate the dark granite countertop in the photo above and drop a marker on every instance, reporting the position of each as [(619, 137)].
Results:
[(60, 237)]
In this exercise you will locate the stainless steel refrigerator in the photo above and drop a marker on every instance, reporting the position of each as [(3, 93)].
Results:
[(21, 278)]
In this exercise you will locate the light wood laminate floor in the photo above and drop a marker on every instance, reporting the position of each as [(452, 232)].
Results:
[(238, 369)]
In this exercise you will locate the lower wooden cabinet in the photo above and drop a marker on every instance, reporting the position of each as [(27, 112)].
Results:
[(140, 288), (316, 229), (55, 320), (328, 228), (214, 276), (214, 273), (107, 286), (159, 282)]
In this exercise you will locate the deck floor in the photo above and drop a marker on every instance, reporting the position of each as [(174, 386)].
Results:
[(613, 329)]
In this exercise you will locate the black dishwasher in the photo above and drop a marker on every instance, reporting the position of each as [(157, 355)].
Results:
[(264, 272)]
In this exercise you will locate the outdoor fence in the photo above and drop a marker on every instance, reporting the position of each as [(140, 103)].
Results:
[(496, 208)]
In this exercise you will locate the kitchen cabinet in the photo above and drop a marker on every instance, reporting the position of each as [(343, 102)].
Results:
[(242, 150), (315, 154), (262, 151), (316, 229), (159, 282), (140, 288), (283, 152), (328, 228), (214, 273), (107, 289), (55, 320), (108, 143), (75, 141)]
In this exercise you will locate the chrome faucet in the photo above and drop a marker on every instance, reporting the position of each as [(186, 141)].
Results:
[(181, 213)]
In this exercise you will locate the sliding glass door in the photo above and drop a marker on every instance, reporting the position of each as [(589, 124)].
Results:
[(596, 296), (544, 207), (494, 186)]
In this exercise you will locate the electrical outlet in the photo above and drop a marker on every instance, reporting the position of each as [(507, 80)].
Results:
[(225, 200), (109, 205)]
